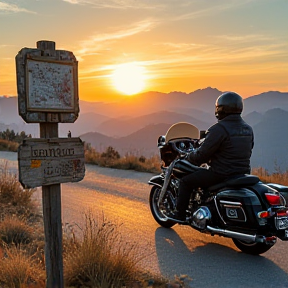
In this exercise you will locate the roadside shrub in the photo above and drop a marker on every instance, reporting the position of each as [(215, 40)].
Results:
[(110, 153), (276, 177), (91, 155), (101, 259), (14, 231), (132, 163), (18, 269), (6, 145), (14, 200), (112, 159), (142, 159)]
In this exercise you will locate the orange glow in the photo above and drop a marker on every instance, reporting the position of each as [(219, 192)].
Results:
[(129, 78), (189, 47)]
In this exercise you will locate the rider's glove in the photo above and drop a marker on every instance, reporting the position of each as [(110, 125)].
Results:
[(184, 156)]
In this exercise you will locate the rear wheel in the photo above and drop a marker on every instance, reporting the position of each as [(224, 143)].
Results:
[(252, 248), (157, 211)]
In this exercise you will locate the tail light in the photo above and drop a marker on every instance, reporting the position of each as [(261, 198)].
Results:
[(273, 199), (282, 213), (264, 214)]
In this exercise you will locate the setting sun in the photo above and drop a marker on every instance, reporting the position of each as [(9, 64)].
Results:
[(129, 78)]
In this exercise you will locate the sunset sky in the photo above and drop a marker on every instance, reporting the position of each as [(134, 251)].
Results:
[(174, 45)]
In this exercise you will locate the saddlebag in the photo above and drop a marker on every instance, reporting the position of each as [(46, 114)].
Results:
[(238, 207)]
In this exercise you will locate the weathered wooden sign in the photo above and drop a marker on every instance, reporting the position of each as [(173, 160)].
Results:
[(50, 161), (47, 83)]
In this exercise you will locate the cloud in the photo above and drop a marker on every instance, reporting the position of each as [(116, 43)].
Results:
[(245, 38), (117, 4), (212, 8), (96, 42), (204, 58), (11, 8)]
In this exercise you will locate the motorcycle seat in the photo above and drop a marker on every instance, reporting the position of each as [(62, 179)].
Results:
[(240, 181)]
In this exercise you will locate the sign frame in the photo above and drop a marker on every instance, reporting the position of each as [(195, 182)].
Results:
[(49, 57)]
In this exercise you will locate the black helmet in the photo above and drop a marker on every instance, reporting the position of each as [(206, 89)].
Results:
[(228, 103)]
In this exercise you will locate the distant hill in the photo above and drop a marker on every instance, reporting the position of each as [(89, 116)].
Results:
[(199, 104), (150, 102), (253, 118), (270, 133), (271, 141), (86, 122), (118, 128), (9, 110), (266, 101), (143, 142), (149, 113)]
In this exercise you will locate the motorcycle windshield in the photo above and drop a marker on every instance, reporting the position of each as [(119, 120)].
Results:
[(182, 130)]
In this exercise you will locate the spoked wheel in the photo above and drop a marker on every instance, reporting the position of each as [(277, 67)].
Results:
[(253, 248), (158, 212)]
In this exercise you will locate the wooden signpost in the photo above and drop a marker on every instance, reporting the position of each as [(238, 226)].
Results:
[(50, 161), (47, 85)]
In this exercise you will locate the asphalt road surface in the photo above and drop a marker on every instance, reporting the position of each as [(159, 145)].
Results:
[(122, 197)]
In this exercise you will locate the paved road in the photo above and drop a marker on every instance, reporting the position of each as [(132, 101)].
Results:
[(209, 261)]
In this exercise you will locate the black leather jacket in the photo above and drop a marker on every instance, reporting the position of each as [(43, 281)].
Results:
[(227, 147)]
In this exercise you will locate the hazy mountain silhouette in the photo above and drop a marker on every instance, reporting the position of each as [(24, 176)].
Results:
[(270, 150), (86, 122), (266, 101), (9, 110), (271, 141), (151, 102), (143, 142), (144, 112), (253, 118), (117, 127)]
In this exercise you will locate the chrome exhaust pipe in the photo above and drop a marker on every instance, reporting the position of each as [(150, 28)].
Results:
[(232, 234)]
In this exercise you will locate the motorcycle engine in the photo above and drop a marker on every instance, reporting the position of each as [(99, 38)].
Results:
[(201, 217)]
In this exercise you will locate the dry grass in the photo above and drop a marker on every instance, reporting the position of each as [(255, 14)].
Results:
[(276, 177), (16, 232), (14, 200), (6, 145), (102, 258), (18, 269), (21, 243), (128, 162)]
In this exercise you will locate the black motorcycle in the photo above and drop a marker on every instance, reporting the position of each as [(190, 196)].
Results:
[(243, 208)]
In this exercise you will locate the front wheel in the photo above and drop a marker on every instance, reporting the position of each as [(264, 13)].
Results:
[(252, 248), (157, 211)]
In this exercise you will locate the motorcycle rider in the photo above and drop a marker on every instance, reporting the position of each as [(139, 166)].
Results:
[(227, 149)]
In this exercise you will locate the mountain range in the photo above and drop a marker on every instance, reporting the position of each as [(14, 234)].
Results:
[(134, 124)]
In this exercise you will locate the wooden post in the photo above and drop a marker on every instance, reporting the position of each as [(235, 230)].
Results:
[(47, 85), (51, 201)]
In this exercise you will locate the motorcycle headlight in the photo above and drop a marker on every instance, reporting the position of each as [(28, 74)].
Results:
[(161, 141)]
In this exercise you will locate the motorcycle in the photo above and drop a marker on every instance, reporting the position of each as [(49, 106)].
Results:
[(251, 213)]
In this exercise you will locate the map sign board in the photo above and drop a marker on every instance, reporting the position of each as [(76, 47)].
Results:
[(50, 86), (47, 85), (50, 161)]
